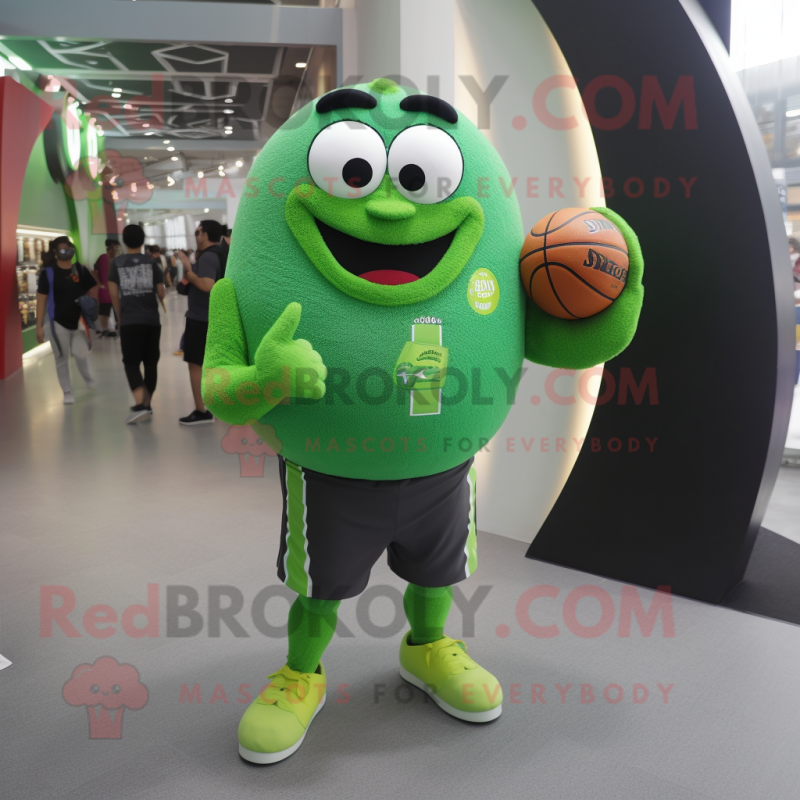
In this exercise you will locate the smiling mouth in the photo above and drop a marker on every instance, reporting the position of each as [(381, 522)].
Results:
[(386, 264)]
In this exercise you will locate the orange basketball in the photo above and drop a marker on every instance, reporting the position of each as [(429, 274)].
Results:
[(574, 263)]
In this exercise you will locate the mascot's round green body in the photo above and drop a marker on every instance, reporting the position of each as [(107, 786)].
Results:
[(372, 327), (363, 427)]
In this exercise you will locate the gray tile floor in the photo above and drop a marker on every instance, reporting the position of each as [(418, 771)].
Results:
[(104, 510)]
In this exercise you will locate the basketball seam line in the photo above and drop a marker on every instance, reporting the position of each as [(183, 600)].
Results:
[(582, 280), (559, 227), (555, 293), (547, 270), (568, 244)]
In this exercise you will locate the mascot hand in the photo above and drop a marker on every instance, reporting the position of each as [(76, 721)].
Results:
[(290, 363)]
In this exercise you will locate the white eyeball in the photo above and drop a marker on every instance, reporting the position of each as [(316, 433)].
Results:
[(425, 164), (347, 159)]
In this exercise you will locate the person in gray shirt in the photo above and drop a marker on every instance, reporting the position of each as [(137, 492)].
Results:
[(136, 284), (199, 280)]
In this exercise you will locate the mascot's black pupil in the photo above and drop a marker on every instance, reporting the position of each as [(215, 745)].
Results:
[(357, 172), (412, 178)]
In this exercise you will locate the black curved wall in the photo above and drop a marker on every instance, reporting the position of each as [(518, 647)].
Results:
[(717, 324)]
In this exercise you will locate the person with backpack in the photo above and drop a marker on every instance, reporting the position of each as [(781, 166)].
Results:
[(136, 284), (199, 278), (61, 288)]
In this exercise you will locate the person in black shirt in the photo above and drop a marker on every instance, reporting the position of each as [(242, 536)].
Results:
[(136, 284), (200, 279), (59, 304)]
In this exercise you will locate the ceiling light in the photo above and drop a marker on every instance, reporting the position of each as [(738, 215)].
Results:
[(170, 149), (166, 141), (301, 64), (174, 158), (170, 180), (149, 133), (794, 112), (116, 89), (145, 124), (150, 185), (19, 63), (240, 163), (228, 99), (200, 174), (116, 95), (205, 211), (227, 131), (227, 111)]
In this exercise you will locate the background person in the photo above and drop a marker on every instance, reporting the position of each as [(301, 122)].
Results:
[(794, 255), (200, 280), (59, 302), (173, 269), (161, 260), (136, 283), (104, 298)]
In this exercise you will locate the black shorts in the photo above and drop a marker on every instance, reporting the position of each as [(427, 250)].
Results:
[(333, 530), (194, 341), (104, 310), (140, 344)]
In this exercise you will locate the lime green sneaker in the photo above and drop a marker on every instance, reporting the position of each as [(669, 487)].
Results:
[(456, 683), (276, 722)]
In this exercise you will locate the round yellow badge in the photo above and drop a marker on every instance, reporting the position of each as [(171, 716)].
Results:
[(483, 291)]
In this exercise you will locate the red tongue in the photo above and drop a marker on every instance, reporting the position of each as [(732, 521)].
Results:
[(388, 277)]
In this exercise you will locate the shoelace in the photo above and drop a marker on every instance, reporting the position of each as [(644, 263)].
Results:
[(455, 658), (287, 688)]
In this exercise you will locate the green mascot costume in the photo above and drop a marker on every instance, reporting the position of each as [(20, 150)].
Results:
[(372, 318)]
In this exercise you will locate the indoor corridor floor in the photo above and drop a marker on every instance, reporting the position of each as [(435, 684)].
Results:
[(100, 517)]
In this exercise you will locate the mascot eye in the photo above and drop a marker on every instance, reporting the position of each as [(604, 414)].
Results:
[(258, 441), (116, 688), (425, 164), (347, 159), (244, 441), (94, 689)]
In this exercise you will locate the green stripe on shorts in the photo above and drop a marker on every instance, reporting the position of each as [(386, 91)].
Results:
[(471, 547), (296, 561)]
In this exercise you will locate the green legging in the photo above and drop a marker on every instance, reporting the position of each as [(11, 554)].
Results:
[(312, 622)]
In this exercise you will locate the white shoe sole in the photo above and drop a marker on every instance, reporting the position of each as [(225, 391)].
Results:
[(467, 716), (136, 416), (271, 758)]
